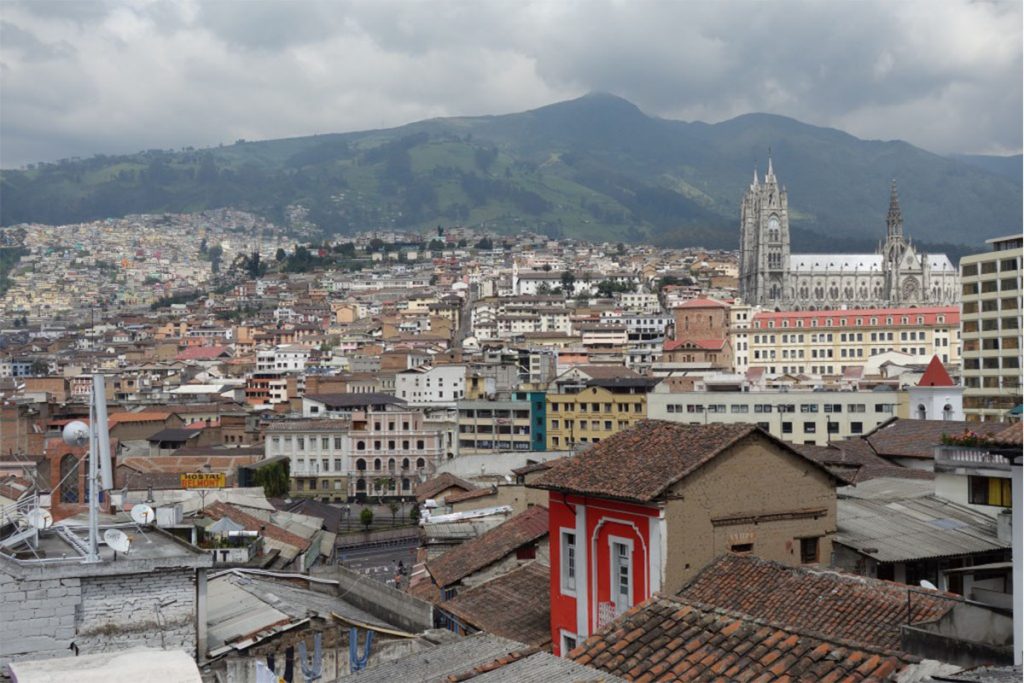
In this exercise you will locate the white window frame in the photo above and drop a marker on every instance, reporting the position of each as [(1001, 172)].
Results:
[(613, 564), (563, 635), (563, 561)]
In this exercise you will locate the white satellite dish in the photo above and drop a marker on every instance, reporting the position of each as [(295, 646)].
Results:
[(142, 514), (117, 540), (39, 518), (925, 583), (76, 433)]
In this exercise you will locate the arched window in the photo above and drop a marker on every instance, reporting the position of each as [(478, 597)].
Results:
[(361, 465), (405, 484), (391, 465), (420, 463), (360, 484), (360, 445), (69, 479), (405, 463), (947, 412), (377, 464), (922, 412)]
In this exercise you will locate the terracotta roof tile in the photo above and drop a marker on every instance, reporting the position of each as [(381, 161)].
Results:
[(643, 462), (726, 645), (917, 438), (1013, 435), (525, 528), (431, 487), (868, 612), (220, 509), (935, 375), (516, 605)]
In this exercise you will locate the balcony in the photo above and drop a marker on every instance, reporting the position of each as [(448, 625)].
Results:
[(967, 460)]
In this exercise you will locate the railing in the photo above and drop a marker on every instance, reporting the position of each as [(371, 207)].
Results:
[(963, 456)]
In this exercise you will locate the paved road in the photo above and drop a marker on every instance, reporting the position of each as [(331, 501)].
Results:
[(380, 563)]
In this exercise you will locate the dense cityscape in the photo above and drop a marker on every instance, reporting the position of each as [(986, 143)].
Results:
[(565, 342)]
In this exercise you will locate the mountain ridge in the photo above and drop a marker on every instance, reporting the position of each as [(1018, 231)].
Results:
[(596, 167)]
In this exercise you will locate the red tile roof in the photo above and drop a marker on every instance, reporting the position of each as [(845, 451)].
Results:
[(431, 487), (848, 318), (917, 438), (935, 375), (516, 605), (672, 639), (462, 496), (643, 462), (203, 353), (861, 610), (1013, 435), (703, 303), (523, 529)]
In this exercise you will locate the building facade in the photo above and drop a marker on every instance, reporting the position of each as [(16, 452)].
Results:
[(595, 412), (827, 342), (991, 329), (897, 274)]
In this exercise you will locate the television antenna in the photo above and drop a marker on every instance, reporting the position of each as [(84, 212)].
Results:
[(100, 477), (117, 540)]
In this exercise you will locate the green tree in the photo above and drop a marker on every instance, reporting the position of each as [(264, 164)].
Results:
[(366, 517), (39, 368), (485, 244), (274, 478), (215, 254), (394, 507), (436, 245), (414, 514), (281, 254), (568, 282)]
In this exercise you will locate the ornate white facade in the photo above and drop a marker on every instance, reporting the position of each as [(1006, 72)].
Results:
[(895, 275)]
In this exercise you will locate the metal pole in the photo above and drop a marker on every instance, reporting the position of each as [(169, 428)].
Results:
[(92, 489)]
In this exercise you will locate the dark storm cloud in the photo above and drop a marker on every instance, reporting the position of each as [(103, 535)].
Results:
[(83, 77)]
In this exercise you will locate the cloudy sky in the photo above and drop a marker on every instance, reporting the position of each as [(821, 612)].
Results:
[(79, 77)]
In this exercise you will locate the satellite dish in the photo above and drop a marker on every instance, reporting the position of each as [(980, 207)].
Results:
[(925, 583), (117, 540), (142, 514), (39, 518), (76, 433)]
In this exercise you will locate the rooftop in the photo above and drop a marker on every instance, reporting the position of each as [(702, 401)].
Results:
[(643, 462), (523, 529), (515, 605), (858, 609), (673, 639)]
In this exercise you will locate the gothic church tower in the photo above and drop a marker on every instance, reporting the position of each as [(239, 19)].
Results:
[(764, 243)]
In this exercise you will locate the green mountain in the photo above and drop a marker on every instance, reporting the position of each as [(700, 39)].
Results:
[(596, 168)]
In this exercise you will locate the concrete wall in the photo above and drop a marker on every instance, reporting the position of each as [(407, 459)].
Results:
[(968, 635), (382, 601), (754, 477), (43, 616), (516, 496)]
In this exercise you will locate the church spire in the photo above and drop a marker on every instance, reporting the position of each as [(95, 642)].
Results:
[(770, 173), (894, 219), (755, 176)]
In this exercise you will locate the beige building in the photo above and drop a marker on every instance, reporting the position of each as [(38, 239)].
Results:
[(827, 342), (802, 417), (991, 329)]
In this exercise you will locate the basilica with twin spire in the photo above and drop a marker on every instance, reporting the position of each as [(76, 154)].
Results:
[(897, 274)]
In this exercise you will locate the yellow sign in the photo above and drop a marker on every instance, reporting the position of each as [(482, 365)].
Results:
[(199, 480)]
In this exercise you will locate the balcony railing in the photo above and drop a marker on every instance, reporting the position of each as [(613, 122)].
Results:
[(971, 458)]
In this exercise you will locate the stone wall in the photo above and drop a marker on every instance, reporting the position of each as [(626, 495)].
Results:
[(42, 617)]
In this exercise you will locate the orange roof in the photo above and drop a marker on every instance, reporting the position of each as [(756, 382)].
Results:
[(703, 303), (117, 418), (935, 375)]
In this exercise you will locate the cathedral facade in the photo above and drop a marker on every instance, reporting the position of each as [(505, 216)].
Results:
[(897, 274)]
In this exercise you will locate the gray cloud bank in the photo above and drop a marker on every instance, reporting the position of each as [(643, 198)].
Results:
[(79, 77)]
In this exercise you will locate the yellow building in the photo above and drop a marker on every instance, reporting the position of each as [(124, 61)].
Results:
[(991, 326), (595, 411), (827, 342)]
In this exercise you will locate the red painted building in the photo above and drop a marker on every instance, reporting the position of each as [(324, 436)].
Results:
[(644, 510)]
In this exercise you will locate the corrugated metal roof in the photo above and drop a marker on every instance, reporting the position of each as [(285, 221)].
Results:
[(232, 613), (914, 529), (436, 663)]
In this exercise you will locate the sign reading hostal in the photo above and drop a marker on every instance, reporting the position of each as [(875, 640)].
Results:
[(201, 480)]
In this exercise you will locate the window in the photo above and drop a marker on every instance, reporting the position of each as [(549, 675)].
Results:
[(787, 427), (569, 641), (741, 548), (300, 443), (568, 562), (809, 428), (856, 427), (989, 491), (808, 550), (621, 573)]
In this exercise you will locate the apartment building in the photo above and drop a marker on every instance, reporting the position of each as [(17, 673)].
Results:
[(370, 454), (595, 411), (801, 417), (515, 424), (991, 329), (827, 342), (440, 386)]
